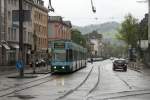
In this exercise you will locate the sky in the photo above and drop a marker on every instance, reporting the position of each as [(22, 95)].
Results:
[(79, 12)]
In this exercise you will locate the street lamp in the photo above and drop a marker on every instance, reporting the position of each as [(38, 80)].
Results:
[(50, 8), (93, 8), (149, 23)]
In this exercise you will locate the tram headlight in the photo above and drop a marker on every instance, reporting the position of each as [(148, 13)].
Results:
[(63, 67), (55, 67)]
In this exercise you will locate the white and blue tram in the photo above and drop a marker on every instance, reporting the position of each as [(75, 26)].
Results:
[(67, 57)]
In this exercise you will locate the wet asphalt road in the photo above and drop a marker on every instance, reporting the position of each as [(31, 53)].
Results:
[(95, 82)]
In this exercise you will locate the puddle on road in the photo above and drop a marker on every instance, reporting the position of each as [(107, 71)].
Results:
[(62, 91), (60, 82), (23, 97)]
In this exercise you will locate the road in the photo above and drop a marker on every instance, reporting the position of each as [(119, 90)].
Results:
[(95, 82)]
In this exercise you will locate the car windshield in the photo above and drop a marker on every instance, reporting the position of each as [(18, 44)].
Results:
[(120, 61)]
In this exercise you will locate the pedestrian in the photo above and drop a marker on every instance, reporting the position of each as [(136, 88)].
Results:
[(91, 60)]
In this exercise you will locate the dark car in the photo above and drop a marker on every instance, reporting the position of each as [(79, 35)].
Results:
[(120, 64)]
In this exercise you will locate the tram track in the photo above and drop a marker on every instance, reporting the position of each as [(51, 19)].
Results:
[(26, 85), (77, 87), (125, 82), (95, 86), (121, 94), (81, 84), (45, 76)]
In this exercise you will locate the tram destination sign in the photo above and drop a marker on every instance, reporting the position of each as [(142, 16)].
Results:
[(59, 45)]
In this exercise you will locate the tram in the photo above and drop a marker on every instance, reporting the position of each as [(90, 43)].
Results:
[(67, 57)]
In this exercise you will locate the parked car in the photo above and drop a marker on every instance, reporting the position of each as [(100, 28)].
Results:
[(42, 62), (120, 64), (111, 58)]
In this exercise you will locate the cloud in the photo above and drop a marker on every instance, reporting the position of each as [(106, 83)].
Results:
[(80, 13)]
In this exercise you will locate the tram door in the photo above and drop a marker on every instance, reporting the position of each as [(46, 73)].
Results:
[(69, 57)]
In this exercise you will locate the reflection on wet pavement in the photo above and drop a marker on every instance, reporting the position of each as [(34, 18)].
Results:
[(130, 85)]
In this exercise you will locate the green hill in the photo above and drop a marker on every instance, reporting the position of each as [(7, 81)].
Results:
[(108, 29)]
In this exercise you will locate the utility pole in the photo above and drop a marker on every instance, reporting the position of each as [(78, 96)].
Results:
[(149, 23), (21, 16)]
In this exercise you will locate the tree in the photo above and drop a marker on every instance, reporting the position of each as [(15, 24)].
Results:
[(143, 28), (129, 31), (77, 37)]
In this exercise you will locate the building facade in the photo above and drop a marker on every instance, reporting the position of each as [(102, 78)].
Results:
[(35, 22), (58, 29), (3, 28), (13, 32), (95, 41), (40, 29)]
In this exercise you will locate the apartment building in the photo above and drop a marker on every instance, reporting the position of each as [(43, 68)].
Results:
[(58, 29), (3, 31), (35, 23), (40, 28)]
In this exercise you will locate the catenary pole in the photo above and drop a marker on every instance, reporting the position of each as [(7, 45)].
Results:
[(21, 15)]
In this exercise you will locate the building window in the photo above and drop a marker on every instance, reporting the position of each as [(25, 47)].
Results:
[(9, 15), (24, 5), (12, 34), (9, 33), (9, 1), (12, 2), (24, 35), (15, 2), (15, 32), (29, 7)]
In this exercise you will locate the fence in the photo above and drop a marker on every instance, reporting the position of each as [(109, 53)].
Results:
[(137, 66)]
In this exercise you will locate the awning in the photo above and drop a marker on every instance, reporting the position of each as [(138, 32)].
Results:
[(16, 46), (6, 46)]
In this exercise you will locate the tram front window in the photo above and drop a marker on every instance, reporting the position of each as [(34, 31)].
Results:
[(60, 56)]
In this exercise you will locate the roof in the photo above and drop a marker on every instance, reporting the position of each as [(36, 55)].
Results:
[(55, 19), (73, 45), (68, 23), (58, 19), (39, 6)]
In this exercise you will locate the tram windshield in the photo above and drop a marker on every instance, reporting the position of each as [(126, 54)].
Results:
[(60, 56)]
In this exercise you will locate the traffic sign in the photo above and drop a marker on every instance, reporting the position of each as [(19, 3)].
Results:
[(19, 65)]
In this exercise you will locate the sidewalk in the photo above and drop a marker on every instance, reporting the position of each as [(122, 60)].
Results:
[(137, 66), (12, 69)]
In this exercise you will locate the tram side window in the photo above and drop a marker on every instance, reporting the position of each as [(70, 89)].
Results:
[(69, 55), (80, 55), (75, 54)]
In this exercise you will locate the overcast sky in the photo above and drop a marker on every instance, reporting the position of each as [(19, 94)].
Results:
[(79, 11)]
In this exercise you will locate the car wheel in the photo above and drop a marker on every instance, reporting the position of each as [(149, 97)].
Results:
[(125, 69), (114, 69)]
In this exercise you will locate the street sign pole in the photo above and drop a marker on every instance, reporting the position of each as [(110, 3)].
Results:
[(149, 28), (149, 22), (21, 15)]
